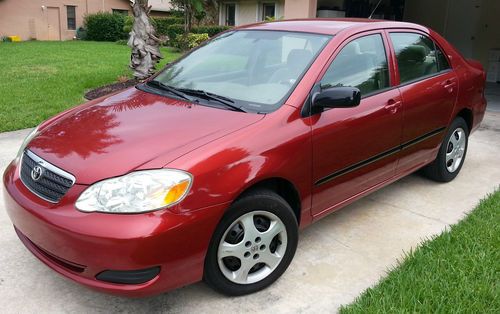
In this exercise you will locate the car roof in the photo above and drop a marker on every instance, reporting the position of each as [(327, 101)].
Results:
[(329, 26)]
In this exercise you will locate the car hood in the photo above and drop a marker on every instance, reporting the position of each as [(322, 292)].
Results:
[(126, 131)]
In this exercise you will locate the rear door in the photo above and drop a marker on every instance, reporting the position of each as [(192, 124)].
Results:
[(428, 89), (354, 149)]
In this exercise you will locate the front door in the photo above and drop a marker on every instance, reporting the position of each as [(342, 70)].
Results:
[(356, 148), (53, 24)]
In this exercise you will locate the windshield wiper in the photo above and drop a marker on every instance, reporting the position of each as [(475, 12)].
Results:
[(170, 89), (228, 102)]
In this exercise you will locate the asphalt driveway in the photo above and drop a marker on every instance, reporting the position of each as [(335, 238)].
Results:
[(337, 258)]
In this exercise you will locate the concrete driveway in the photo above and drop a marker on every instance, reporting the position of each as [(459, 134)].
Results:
[(337, 258)]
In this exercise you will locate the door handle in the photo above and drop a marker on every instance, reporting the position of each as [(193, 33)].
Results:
[(392, 105), (449, 85)]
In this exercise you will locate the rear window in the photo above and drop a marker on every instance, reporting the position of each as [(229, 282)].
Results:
[(416, 56)]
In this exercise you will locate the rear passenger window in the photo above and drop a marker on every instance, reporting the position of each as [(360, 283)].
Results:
[(442, 61), (362, 63), (415, 54)]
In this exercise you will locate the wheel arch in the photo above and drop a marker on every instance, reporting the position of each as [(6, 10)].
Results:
[(468, 116), (280, 186)]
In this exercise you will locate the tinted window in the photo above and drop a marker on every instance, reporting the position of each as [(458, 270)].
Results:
[(442, 61), (415, 54), (362, 63)]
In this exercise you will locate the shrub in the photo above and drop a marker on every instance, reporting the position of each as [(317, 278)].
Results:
[(177, 13), (178, 29), (211, 30), (128, 24), (81, 33), (163, 23), (105, 26), (5, 39), (190, 41)]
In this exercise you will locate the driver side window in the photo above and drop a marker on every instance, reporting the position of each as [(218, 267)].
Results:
[(362, 63)]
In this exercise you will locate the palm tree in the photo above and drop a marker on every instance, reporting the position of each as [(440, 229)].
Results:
[(143, 41)]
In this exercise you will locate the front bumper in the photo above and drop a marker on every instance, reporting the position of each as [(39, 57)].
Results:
[(82, 245)]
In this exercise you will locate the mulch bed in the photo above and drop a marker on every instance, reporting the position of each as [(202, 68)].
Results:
[(108, 89)]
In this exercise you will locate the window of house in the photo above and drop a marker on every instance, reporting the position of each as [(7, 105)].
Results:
[(268, 10), (416, 56), (362, 63), (71, 16), (230, 14), (120, 11)]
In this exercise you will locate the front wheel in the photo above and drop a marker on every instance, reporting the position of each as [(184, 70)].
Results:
[(451, 155), (253, 244)]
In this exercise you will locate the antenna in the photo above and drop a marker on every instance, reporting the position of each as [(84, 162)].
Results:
[(375, 9)]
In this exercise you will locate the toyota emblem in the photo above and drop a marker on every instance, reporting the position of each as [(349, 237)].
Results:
[(36, 173)]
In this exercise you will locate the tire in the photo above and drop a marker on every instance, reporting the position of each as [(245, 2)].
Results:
[(451, 155), (236, 246)]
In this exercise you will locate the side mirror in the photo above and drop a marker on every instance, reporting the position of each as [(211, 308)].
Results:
[(336, 97)]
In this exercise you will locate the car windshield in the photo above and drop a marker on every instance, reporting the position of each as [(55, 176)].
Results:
[(253, 70)]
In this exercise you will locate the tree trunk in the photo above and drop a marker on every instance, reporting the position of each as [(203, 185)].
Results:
[(143, 41)]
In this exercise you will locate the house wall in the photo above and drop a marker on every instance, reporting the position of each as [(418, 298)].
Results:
[(300, 9), (29, 18)]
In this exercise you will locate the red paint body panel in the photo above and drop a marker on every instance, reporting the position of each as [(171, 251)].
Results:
[(228, 152), (176, 242)]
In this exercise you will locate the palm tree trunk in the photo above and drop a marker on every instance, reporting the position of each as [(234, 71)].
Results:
[(143, 41)]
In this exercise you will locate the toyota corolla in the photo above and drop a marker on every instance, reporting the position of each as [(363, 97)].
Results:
[(209, 169)]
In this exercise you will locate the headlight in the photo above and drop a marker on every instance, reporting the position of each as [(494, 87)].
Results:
[(136, 192), (26, 141)]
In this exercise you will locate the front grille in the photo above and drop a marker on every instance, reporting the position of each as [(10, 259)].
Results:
[(46, 181)]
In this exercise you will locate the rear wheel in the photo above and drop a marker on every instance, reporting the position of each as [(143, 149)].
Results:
[(451, 155), (253, 244)]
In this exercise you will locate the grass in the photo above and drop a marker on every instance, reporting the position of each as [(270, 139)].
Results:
[(455, 272), (40, 79)]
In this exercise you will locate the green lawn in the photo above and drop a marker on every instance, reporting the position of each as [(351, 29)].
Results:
[(456, 272), (40, 79)]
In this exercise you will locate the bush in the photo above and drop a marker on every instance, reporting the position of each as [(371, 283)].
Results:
[(211, 30), (128, 24), (105, 26), (81, 33), (190, 41), (177, 13), (162, 24), (178, 29)]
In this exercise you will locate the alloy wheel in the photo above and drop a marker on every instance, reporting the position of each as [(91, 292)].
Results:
[(455, 150), (252, 247)]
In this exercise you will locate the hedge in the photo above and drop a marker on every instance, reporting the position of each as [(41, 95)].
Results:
[(190, 41), (104, 26), (178, 29), (162, 24)]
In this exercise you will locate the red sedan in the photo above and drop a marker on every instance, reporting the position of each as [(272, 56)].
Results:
[(209, 169)]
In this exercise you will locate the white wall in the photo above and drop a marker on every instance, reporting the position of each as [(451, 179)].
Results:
[(472, 26)]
